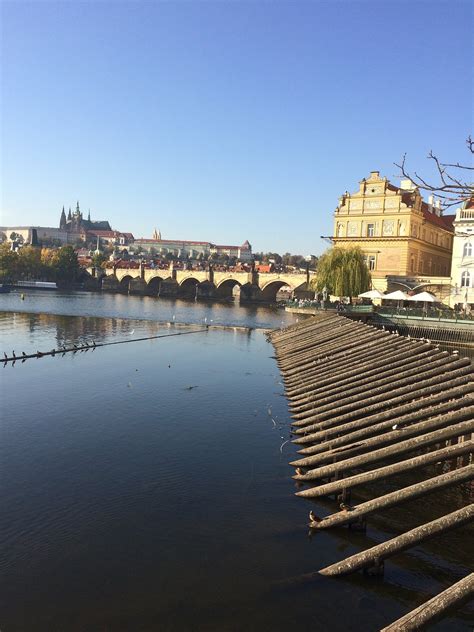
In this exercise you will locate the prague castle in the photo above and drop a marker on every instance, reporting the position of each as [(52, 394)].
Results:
[(402, 236), (75, 222)]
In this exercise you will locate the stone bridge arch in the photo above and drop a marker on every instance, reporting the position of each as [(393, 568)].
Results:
[(124, 282), (228, 288), (188, 286), (153, 287)]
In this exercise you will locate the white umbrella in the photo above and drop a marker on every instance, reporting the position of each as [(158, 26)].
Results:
[(396, 296), (425, 297), (371, 294)]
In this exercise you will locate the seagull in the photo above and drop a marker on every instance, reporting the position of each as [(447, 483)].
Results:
[(395, 427), (299, 471)]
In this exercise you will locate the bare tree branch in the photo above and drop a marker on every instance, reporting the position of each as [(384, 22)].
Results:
[(452, 189)]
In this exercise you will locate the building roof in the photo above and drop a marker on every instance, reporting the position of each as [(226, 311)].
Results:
[(108, 234), (442, 221), (171, 241)]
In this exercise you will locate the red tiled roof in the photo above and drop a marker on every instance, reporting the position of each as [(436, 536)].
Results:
[(110, 233), (172, 241), (443, 221)]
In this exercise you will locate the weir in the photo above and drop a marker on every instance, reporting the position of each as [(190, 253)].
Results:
[(368, 404)]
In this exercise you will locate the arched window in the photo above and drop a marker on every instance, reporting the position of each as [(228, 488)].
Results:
[(466, 279), (467, 251)]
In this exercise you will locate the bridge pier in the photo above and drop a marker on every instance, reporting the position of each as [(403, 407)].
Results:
[(110, 284), (206, 290), (169, 287), (251, 293), (137, 286)]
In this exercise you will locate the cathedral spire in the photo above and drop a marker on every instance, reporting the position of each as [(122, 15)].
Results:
[(62, 221), (89, 216), (77, 207), (69, 215)]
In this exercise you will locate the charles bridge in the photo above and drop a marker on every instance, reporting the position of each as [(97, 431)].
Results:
[(248, 286)]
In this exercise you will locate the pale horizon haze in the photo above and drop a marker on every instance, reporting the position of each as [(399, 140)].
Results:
[(225, 121)]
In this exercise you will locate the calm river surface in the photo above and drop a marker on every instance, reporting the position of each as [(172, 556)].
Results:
[(146, 486)]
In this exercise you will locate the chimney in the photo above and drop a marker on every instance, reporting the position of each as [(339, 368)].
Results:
[(407, 185), (430, 202), (438, 210)]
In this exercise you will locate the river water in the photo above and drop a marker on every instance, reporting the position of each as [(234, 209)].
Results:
[(146, 486)]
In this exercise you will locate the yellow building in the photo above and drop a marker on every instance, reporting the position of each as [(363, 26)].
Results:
[(405, 240)]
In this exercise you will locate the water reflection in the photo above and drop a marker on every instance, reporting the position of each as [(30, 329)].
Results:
[(132, 501), (146, 307)]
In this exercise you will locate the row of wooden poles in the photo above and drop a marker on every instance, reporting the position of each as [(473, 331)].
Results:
[(87, 346), (368, 404)]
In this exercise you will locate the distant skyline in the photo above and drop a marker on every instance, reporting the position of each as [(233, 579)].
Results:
[(225, 121)]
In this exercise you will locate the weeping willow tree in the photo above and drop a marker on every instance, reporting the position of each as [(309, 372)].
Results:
[(343, 272)]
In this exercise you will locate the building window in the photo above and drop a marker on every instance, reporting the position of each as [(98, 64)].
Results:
[(466, 279), (412, 264), (467, 250), (370, 230), (370, 261)]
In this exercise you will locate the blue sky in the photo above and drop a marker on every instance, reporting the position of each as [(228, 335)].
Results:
[(225, 121)]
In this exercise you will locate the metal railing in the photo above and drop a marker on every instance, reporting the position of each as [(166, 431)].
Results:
[(430, 313)]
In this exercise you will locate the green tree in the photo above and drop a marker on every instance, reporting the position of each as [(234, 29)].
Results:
[(343, 272), (98, 259), (8, 263), (30, 265), (66, 264)]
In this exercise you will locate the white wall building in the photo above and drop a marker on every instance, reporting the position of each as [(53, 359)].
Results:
[(462, 265)]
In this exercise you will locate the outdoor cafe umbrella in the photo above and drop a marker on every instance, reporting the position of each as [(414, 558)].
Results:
[(371, 294), (424, 297), (396, 296)]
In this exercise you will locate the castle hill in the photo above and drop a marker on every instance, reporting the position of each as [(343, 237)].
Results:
[(237, 317)]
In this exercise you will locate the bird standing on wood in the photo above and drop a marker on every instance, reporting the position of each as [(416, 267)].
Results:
[(344, 507), (313, 517)]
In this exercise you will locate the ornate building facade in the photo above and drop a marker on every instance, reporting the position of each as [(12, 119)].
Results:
[(402, 236), (462, 267)]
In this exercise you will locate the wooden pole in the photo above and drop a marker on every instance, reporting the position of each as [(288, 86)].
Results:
[(421, 409), (393, 437), (408, 394), (433, 609), (409, 445), (386, 471), (397, 497), (377, 553)]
